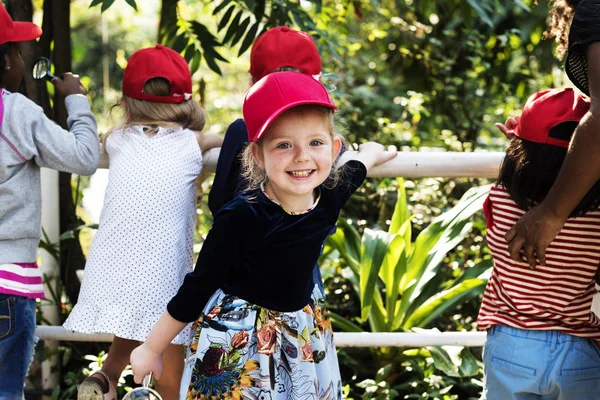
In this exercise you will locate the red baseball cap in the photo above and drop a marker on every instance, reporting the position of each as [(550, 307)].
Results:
[(284, 47), (277, 92), (157, 62), (11, 31), (548, 109)]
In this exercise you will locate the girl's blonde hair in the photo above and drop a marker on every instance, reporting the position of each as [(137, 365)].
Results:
[(253, 175), (188, 115)]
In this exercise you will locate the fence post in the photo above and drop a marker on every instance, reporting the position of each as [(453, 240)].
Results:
[(50, 271)]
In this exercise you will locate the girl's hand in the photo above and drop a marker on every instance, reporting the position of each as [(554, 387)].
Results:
[(372, 154), (143, 361), (69, 84), (508, 128)]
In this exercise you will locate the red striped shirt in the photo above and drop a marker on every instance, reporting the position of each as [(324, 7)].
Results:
[(557, 296)]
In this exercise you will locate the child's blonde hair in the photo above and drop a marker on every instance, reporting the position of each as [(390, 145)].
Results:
[(188, 115), (253, 175)]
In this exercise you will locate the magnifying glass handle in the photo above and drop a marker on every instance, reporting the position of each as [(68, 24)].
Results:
[(147, 381)]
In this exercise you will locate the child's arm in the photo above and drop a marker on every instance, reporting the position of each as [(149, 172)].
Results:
[(227, 181), (355, 166), (148, 357), (212, 269), (104, 159), (41, 139), (207, 142), (372, 154)]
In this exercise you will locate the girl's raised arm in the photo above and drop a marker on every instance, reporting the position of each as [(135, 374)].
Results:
[(207, 142), (372, 154)]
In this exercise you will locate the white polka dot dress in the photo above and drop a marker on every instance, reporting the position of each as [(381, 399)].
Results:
[(144, 245)]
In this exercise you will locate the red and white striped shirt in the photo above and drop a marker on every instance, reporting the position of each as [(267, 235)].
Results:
[(21, 280), (557, 296)]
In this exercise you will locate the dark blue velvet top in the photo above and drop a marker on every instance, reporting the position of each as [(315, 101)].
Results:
[(260, 253), (228, 181)]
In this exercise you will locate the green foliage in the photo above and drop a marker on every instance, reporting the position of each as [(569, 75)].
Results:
[(46, 244), (379, 388), (454, 361), (107, 3), (433, 73), (409, 74), (194, 41), (401, 287), (242, 22), (397, 279)]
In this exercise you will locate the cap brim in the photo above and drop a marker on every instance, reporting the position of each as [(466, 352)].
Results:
[(277, 113), (25, 31)]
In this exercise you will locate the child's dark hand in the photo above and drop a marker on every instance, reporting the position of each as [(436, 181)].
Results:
[(69, 84), (533, 233)]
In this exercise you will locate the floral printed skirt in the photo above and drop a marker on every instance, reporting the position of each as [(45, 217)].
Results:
[(244, 351)]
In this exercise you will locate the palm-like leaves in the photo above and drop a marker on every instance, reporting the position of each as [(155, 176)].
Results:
[(414, 294)]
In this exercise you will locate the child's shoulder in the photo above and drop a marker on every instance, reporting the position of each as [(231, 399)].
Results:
[(241, 207), (19, 109), (238, 124), (19, 101), (499, 194)]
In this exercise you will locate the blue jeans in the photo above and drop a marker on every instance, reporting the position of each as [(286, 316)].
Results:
[(542, 365), (17, 341)]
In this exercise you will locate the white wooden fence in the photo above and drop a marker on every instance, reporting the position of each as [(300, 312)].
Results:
[(407, 164)]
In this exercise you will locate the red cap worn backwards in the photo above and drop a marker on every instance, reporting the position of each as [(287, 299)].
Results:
[(284, 47), (11, 31), (157, 62), (548, 109), (268, 98)]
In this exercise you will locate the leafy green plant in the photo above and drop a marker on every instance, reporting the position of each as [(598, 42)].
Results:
[(395, 278), (401, 287), (378, 389)]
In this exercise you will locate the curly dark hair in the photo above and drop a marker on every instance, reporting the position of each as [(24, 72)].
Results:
[(559, 22), (529, 170)]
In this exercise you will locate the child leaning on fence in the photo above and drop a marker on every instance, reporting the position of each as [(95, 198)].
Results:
[(542, 331), (278, 49), (260, 334), (28, 141), (144, 245)]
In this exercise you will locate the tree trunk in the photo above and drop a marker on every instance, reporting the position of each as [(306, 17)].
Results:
[(72, 257), (44, 49)]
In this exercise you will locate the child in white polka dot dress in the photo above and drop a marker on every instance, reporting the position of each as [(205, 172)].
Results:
[(144, 245)]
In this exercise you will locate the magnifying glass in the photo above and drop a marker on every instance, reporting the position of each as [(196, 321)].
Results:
[(144, 392), (41, 69)]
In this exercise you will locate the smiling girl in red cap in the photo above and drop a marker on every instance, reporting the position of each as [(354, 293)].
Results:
[(259, 334), (144, 244), (543, 325), (29, 140)]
